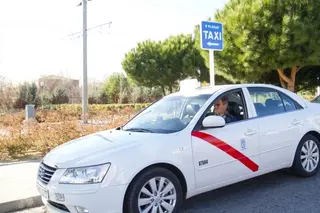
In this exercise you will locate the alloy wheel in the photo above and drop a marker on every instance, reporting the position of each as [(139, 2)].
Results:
[(158, 195), (309, 155)]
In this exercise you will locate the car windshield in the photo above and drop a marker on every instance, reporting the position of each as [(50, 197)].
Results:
[(168, 115)]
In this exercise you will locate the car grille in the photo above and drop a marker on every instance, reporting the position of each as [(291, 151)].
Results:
[(45, 173), (58, 206)]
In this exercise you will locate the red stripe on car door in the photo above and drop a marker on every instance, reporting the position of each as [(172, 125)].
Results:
[(227, 149)]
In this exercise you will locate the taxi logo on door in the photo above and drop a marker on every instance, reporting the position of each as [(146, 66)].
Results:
[(243, 144)]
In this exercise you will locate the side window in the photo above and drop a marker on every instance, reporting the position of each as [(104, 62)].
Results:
[(316, 99), (289, 104), (266, 101), (231, 106)]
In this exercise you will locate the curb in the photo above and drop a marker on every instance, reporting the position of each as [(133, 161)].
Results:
[(17, 205), (10, 163)]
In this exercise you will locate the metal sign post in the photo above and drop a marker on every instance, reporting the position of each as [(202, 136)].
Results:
[(85, 75), (211, 38)]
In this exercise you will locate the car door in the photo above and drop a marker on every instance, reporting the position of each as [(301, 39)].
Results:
[(280, 126), (232, 151)]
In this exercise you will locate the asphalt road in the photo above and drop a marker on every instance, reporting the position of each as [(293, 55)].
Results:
[(272, 193)]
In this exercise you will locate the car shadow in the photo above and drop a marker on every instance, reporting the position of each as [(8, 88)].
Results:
[(259, 190)]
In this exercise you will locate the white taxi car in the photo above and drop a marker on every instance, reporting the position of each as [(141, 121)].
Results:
[(179, 147)]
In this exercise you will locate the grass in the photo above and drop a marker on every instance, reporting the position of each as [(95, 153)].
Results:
[(52, 127)]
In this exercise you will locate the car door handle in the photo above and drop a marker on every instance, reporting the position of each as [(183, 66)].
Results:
[(296, 122), (250, 132)]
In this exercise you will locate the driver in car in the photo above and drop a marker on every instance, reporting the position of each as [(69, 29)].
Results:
[(220, 109)]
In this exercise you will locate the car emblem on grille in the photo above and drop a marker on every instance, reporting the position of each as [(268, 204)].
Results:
[(41, 172)]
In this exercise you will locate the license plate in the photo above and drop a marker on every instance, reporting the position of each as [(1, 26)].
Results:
[(43, 192)]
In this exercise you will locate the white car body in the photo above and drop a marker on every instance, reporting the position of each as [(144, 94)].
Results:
[(259, 145)]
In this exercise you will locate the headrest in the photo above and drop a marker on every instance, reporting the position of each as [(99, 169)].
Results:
[(258, 105), (234, 108), (268, 102), (271, 102), (195, 107)]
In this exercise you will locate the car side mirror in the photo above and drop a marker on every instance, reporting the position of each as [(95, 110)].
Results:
[(213, 121)]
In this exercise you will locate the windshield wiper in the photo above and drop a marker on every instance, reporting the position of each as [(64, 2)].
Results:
[(139, 130)]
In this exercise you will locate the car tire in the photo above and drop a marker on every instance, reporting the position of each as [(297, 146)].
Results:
[(301, 166), (136, 193)]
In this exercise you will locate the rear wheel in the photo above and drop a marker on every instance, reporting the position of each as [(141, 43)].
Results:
[(306, 162), (156, 190)]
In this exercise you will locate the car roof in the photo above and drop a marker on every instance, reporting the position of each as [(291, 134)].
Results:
[(212, 89), (209, 90)]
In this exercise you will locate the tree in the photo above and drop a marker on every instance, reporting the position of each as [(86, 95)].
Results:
[(163, 64), (60, 96), (45, 98), (95, 92), (7, 94), (261, 36), (103, 98), (27, 94), (306, 78), (117, 88), (141, 94)]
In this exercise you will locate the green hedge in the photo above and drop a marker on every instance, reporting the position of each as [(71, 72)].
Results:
[(94, 107)]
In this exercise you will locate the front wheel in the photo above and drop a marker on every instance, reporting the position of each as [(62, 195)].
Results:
[(156, 190), (306, 161)]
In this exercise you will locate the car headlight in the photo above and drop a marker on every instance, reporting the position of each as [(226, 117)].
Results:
[(85, 175)]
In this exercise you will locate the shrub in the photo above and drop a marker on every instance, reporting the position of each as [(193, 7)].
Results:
[(17, 145), (55, 127)]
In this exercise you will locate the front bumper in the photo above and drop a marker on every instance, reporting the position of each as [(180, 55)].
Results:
[(96, 198)]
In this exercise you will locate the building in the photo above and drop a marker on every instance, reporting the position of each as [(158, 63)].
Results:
[(52, 82)]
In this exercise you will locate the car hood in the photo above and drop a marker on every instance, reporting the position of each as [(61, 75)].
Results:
[(94, 149)]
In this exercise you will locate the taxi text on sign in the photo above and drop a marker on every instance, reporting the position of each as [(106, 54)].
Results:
[(211, 35)]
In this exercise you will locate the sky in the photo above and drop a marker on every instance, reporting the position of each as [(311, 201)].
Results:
[(34, 37)]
